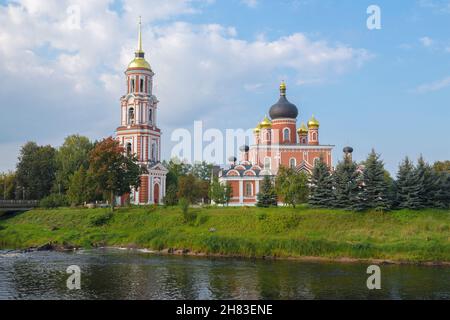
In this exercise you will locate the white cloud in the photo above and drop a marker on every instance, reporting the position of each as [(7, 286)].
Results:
[(426, 41), (250, 3), (434, 86), (74, 78)]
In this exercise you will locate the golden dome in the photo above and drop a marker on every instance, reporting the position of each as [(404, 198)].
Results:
[(257, 129), (139, 63), (313, 123), (302, 129), (266, 123)]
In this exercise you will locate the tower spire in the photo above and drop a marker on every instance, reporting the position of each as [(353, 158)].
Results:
[(140, 37), (283, 88)]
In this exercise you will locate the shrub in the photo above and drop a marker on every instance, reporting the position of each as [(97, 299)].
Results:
[(54, 201), (101, 219), (188, 216)]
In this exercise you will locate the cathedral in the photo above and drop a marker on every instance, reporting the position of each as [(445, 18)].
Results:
[(138, 132), (277, 142)]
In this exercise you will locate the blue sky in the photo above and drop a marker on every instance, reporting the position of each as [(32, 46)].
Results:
[(222, 61)]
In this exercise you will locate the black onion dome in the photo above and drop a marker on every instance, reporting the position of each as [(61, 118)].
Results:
[(348, 150), (244, 149), (283, 108)]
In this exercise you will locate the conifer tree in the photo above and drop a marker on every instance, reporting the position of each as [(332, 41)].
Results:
[(375, 186), (441, 199), (345, 184), (321, 186), (267, 197), (408, 187), (428, 183)]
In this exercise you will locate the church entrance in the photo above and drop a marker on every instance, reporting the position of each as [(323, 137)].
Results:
[(156, 194)]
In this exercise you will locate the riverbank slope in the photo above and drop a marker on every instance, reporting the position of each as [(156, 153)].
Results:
[(409, 236)]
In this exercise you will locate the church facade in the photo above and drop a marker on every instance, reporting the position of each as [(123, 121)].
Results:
[(277, 142), (138, 132)]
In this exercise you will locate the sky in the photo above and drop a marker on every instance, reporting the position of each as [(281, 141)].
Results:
[(222, 62)]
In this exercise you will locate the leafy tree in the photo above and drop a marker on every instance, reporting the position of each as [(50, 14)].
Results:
[(188, 188), (292, 186), (82, 188), (36, 170), (267, 196), (442, 166), (220, 193), (113, 171), (7, 186), (346, 185), (73, 154), (202, 171), (217, 192), (228, 193), (408, 187), (321, 194), (171, 198), (376, 188)]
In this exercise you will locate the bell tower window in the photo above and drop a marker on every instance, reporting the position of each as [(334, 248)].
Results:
[(150, 116), (142, 86), (132, 85), (131, 116), (129, 149)]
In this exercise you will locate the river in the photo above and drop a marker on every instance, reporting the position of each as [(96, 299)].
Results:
[(119, 274)]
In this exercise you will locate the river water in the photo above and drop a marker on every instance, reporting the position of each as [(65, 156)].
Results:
[(119, 274)]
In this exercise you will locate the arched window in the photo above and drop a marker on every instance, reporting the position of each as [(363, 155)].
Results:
[(142, 89), (267, 163), (286, 135), (129, 149), (132, 85), (314, 136), (131, 116), (293, 163), (248, 189), (154, 153)]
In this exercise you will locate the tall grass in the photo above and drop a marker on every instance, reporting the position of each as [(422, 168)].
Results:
[(251, 232)]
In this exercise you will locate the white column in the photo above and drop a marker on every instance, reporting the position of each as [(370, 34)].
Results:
[(241, 192), (257, 187)]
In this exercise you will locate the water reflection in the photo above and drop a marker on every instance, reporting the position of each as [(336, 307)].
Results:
[(114, 274)]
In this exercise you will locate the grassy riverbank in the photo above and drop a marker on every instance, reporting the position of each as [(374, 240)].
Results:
[(250, 232)]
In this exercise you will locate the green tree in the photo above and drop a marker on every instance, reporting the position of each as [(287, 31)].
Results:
[(188, 188), (228, 193), (376, 188), (442, 166), (408, 187), (36, 171), (73, 154), (171, 198), (202, 171), (346, 179), (217, 192), (82, 188), (8, 186), (292, 186), (113, 171), (441, 197), (267, 196), (428, 183), (321, 193)]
